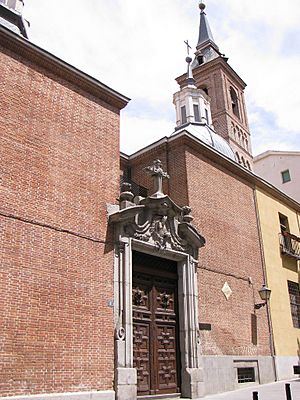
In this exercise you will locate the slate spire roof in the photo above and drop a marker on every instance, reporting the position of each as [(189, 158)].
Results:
[(205, 33), (206, 49)]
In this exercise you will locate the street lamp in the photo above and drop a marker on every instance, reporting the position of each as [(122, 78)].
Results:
[(265, 294)]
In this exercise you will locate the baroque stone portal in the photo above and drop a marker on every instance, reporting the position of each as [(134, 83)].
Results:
[(155, 225)]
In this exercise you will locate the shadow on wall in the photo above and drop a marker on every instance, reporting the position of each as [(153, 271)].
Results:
[(109, 240), (290, 264)]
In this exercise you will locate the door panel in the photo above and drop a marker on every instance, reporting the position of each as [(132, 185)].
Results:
[(155, 327), (166, 355), (141, 355)]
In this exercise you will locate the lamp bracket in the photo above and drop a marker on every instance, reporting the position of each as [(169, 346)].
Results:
[(259, 305)]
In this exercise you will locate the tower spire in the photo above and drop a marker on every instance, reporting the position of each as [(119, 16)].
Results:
[(225, 106), (205, 33), (206, 47)]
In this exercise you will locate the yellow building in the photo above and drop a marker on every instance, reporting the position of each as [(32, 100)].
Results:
[(279, 218)]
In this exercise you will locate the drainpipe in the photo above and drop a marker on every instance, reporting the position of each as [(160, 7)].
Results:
[(272, 344), (298, 261), (167, 164)]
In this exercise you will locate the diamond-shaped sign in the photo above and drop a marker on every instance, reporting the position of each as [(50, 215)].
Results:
[(227, 290)]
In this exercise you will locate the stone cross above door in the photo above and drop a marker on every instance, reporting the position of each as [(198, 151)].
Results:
[(158, 174)]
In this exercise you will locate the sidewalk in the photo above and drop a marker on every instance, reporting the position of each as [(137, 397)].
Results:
[(270, 391)]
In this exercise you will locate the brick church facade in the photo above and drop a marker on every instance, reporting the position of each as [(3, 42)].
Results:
[(153, 293), (57, 331)]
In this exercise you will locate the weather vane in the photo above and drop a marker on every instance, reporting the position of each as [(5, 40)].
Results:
[(187, 46)]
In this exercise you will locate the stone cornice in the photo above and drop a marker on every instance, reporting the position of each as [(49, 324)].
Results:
[(60, 68), (271, 153)]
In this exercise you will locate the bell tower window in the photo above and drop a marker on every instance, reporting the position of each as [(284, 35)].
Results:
[(234, 102), (204, 88), (200, 60)]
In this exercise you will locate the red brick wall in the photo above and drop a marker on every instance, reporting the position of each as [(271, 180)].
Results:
[(218, 82), (224, 211), (173, 162), (56, 327), (59, 163)]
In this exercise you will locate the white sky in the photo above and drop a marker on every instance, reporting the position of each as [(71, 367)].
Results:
[(136, 47)]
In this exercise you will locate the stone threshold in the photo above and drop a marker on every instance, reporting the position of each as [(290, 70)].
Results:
[(101, 395), (173, 396)]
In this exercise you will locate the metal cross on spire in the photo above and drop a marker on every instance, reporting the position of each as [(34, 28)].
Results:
[(190, 79), (188, 47)]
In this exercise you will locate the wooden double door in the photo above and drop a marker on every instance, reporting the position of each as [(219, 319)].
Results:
[(155, 325)]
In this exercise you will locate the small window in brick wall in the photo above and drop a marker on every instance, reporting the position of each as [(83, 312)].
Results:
[(246, 375)]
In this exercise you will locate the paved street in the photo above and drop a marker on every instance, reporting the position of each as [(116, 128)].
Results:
[(271, 391)]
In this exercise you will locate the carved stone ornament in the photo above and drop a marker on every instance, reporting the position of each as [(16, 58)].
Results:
[(120, 333), (227, 290), (157, 220)]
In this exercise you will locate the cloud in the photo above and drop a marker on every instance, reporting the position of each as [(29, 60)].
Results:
[(137, 48), (137, 133), (266, 135)]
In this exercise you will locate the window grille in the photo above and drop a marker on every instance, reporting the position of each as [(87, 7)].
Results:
[(136, 189), (295, 302), (246, 375)]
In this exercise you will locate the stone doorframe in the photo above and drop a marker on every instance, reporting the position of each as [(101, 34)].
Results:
[(156, 226)]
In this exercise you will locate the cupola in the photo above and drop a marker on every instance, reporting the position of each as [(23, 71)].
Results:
[(193, 114), (192, 104), (11, 16)]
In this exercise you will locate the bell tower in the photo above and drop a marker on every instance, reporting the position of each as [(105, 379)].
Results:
[(11, 16), (222, 84)]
